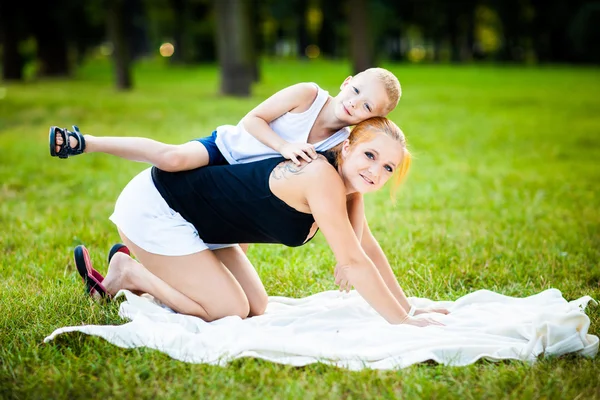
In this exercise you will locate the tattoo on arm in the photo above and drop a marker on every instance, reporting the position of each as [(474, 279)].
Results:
[(285, 169)]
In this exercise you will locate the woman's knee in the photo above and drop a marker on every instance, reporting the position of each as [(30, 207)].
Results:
[(239, 307), (259, 305)]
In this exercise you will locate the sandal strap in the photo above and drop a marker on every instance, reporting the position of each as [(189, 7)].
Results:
[(73, 151)]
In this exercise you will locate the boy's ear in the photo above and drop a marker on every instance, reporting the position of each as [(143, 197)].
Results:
[(346, 81)]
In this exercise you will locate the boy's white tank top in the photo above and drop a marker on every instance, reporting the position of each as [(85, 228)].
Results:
[(238, 146)]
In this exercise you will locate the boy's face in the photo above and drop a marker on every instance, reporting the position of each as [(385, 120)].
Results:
[(361, 97)]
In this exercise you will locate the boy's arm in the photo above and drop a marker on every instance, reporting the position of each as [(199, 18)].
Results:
[(167, 157), (356, 213), (256, 122)]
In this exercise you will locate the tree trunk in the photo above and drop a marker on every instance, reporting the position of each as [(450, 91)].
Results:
[(117, 33), (302, 32), (454, 34), (328, 36), (469, 39), (255, 39), (12, 61), (234, 46), (136, 29), (361, 50), (52, 53), (179, 31), (50, 35)]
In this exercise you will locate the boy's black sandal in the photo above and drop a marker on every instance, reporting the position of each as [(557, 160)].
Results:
[(65, 148)]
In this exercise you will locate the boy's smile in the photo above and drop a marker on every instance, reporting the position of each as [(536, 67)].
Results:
[(346, 109)]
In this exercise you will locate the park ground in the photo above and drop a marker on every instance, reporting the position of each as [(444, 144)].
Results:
[(503, 195)]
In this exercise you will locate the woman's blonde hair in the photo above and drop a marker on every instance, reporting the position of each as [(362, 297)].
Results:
[(366, 130)]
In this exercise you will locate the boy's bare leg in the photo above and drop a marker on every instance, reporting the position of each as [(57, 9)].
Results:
[(244, 247), (167, 157)]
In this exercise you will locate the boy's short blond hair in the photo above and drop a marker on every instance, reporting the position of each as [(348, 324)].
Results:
[(390, 83)]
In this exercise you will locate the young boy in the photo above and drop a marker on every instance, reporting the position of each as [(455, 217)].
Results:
[(295, 123)]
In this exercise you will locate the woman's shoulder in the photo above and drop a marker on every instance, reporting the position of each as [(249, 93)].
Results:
[(309, 173), (321, 165), (319, 173)]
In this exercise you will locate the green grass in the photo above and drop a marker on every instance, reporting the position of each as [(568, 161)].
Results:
[(503, 195)]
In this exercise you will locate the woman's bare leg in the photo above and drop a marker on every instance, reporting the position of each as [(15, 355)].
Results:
[(196, 284), (126, 273), (238, 264)]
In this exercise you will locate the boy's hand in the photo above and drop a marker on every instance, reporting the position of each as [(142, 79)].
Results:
[(293, 151)]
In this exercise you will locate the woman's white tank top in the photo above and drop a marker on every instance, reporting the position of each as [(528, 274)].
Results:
[(238, 146)]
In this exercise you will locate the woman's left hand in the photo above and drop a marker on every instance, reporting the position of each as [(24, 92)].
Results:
[(341, 279), (428, 310)]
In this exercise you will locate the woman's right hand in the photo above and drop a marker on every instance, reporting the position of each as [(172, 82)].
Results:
[(421, 322)]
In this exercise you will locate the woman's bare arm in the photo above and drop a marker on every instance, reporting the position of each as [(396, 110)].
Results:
[(318, 187), (325, 195), (356, 213), (376, 254)]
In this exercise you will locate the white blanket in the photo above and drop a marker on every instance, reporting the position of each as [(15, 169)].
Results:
[(342, 329)]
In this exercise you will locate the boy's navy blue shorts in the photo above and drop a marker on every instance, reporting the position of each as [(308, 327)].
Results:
[(214, 154)]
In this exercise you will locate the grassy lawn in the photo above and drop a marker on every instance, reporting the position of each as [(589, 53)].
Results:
[(503, 195)]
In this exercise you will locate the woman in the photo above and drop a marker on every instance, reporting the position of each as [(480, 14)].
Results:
[(168, 220)]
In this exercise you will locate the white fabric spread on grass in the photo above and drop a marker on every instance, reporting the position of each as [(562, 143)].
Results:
[(343, 330)]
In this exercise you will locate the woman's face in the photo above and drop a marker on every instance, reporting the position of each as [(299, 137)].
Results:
[(367, 166)]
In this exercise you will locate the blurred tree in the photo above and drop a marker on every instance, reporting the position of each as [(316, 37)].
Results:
[(290, 26), (460, 28), (187, 24), (437, 30), (487, 33), (90, 31), (550, 21), (361, 43), (392, 19), (447, 28), (136, 29), (302, 40), (584, 33), (328, 36), (49, 25), (234, 46), (516, 17), (255, 38), (180, 31), (118, 20), (11, 14)]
